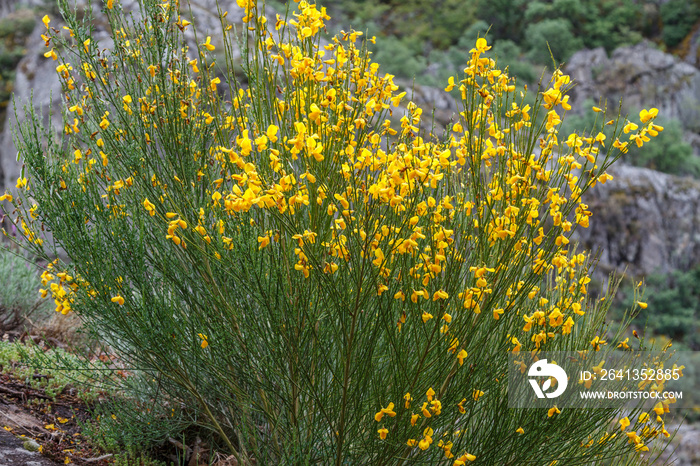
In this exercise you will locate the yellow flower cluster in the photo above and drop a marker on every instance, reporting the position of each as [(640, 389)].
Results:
[(431, 407), (643, 429), (61, 286)]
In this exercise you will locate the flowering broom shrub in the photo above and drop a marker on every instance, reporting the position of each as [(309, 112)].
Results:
[(315, 281)]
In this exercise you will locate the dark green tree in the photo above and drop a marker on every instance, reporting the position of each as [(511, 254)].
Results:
[(678, 18)]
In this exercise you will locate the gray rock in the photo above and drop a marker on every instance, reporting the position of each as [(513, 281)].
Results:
[(12, 452), (430, 99), (685, 446), (644, 221), (642, 76)]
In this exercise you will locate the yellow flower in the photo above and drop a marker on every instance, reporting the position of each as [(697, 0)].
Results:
[(642, 304), (520, 430), (460, 405), (207, 44), (264, 241), (453, 346), (46, 20), (629, 127), (118, 299), (245, 4), (430, 394), (450, 84), (462, 354), (436, 407), (272, 133), (150, 208), (553, 410), (624, 423), (51, 54), (596, 343), (110, 4), (204, 343), (659, 408), (426, 317), (646, 115), (382, 433), (462, 460), (556, 318), (482, 45), (568, 325), (388, 410)]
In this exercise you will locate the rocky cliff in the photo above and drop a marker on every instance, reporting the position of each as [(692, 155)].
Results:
[(644, 221), (641, 76)]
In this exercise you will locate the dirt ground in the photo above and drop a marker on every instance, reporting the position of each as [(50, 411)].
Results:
[(27, 414)]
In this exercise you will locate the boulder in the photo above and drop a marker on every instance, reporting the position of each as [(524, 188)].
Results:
[(644, 221), (641, 76)]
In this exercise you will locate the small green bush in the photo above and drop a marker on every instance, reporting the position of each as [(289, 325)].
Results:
[(22, 361), (674, 307), (509, 55), (678, 17), (19, 299), (399, 58), (9, 58), (123, 424), (551, 34)]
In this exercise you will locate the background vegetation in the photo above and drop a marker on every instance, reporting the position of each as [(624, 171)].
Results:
[(428, 29)]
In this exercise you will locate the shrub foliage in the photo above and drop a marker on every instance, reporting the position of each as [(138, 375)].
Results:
[(312, 282)]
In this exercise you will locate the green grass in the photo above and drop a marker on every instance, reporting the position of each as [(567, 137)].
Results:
[(24, 360)]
